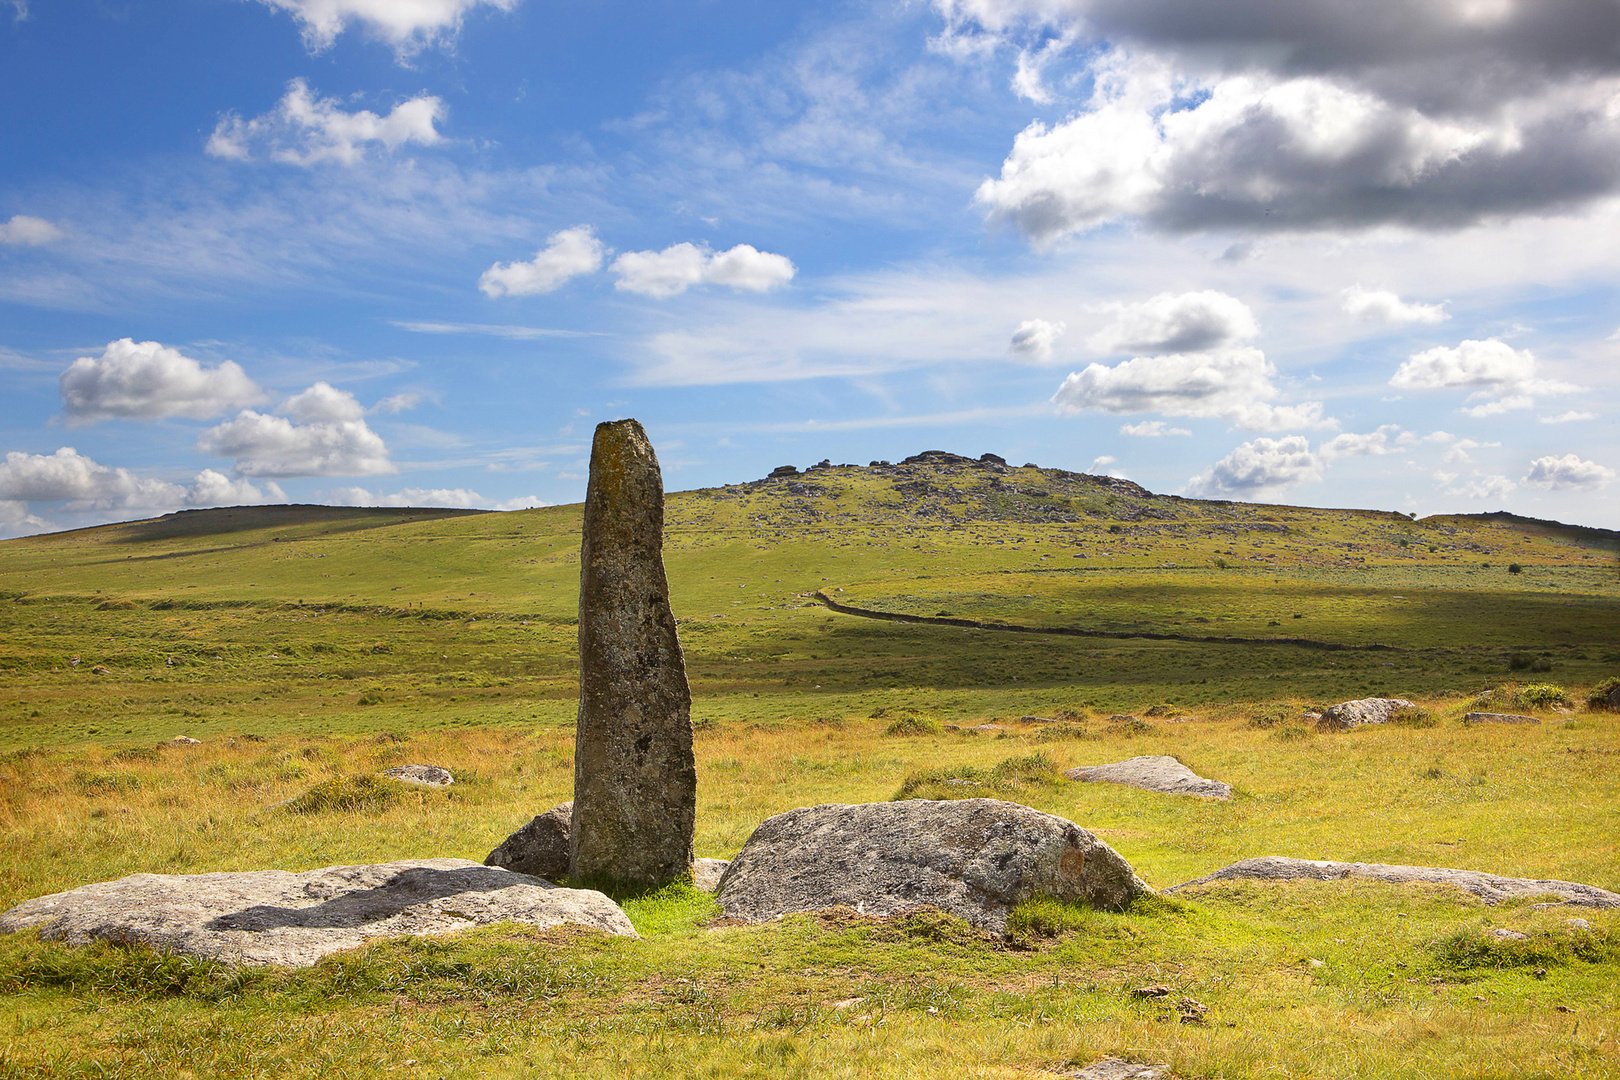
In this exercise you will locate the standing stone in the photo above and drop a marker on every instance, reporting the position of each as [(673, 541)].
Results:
[(635, 783)]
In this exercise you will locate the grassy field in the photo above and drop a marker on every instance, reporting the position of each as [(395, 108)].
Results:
[(306, 646)]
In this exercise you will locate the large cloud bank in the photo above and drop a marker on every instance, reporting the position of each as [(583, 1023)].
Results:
[(1314, 114), (146, 380)]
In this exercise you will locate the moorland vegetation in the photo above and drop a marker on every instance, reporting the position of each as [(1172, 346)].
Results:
[(310, 648)]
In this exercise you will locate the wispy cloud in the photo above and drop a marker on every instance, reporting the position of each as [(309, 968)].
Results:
[(515, 333)]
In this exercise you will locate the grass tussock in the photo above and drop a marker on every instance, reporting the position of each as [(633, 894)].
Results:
[(907, 722), (1413, 716), (1010, 779), (1475, 949), (343, 794)]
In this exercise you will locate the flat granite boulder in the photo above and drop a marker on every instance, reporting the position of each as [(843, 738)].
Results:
[(1353, 714), (1159, 772), (540, 848), (1488, 887), (277, 917), (421, 775), (1498, 718), (974, 858), (706, 873)]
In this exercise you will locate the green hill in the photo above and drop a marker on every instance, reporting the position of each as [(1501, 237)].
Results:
[(292, 597)]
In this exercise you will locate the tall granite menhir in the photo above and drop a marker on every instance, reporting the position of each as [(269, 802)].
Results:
[(635, 784)]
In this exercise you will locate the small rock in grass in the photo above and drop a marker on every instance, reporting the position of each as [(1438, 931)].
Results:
[(421, 775), (706, 873), (1160, 772), (539, 848), (1577, 924), (1113, 1068), (1157, 990), (1502, 933), (1498, 718), (1352, 714), (184, 740)]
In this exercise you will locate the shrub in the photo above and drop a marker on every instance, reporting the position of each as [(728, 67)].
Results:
[(1515, 568), (1543, 695), (1413, 716), (1605, 695), (913, 725), (1270, 716), (970, 782), (1520, 661), (347, 793)]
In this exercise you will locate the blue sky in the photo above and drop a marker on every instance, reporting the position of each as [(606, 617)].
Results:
[(411, 251)]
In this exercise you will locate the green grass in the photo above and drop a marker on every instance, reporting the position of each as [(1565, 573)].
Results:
[(312, 650)]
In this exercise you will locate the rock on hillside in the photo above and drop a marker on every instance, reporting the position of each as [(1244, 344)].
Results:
[(974, 858), (1488, 887), (540, 848), (1160, 772), (276, 917), (1349, 714)]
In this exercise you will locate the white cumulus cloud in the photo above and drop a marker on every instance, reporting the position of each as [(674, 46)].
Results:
[(307, 130), (1178, 323), (1386, 440), (407, 25), (1152, 429), (567, 254), (25, 231), (461, 498), (1569, 417), (1383, 305), (1034, 339), (1568, 473), (323, 433), (1479, 487), (1234, 385), (1501, 377), (1262, 467), (662, 274), (146, 381), (82, 483)]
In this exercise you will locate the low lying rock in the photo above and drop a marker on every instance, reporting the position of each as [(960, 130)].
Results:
[(540, 848), (294, 919), (1498, 718), (1351, 714), (421, 775), (183, 740), (1113, 1068), (706, 873), (1159, 772), (1488, 887), (973, 858), (1502, 933)]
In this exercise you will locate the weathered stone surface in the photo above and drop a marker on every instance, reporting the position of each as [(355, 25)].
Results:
[(1498, 718), (1113, 1068), (184, 740), (706, 873), (276, 917), (1488, 887), (540, 848), (1350, 714), (421, 775), (1159, 772), (635, 782), (974, 858)]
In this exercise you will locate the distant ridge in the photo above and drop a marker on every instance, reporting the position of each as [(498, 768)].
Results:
[(229, 519)]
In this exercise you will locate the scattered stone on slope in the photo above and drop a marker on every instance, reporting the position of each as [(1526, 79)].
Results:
[(1488, 887), (421, 775), (635, 782), (294, 919), (540, 848), (183, 740), (973, 858), (706, 873), (1159, 772), (1113, 1068), (1498, 718), (1351, 714)]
